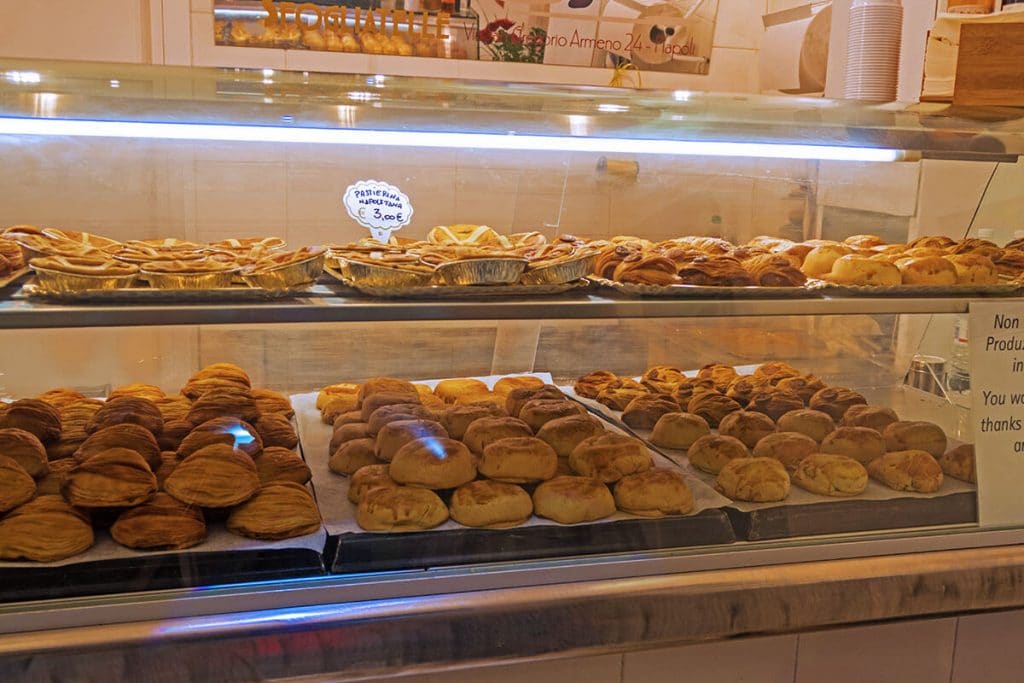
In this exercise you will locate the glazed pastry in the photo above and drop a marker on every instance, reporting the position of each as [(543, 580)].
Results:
[(654, 493), (863, 444), (571, 500), (771, 270), (400, 508), (678, 430), (130, 436), (805, 387), (216, 403), (722, 375), (281, 464), (457, 419), (45, 529), (491, 505), (643, 412), (592, 384), (924, 436), (911, 470), (216, 376), (394, 435), (161, 523), (875, 417), (33, 416), (609, 457), (353, 455), (147, 391), (712, 407), (26, 450), (215, 476), (565, 433), (539, 411), (711, 453), (789, 448), (506, 384), (518, 460), (271, 402), (835, 401), (61, 397), (279, 510), (831, 475), (758, 480), (16, 485), (51, 483), (276, 430), (116, 477), (127, 410), (960, 463), (747, 426), (808, 421), (487, 430), (229, 431), (366, 479)]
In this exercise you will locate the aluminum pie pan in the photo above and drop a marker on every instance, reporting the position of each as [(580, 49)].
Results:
[(833, 289), (441, 292), (288, 275), (361, 273), (708, 292), (55, 281), (210, 279), (558, 273), (149, 295), (481, 271)]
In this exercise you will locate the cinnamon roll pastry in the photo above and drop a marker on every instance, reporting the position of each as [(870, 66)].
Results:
[(115, 477), (1010, 262), (216, 476), (161, 523), (774, 271), (216, 376), (45, 529), (147, 391), (775, 402), (640, 269), (129, 436), (34, 416), (279, 510), (722, 375), (804, 387), (276, 430), (591, 384), (281, 464), (61, 397), (229, 431), (16, 485), (127, 410), (712, 407), (662, 379), (271, 402), (237, 403), (709, 245), (721, 271), (26, 450), (686, 390), (609, 259)]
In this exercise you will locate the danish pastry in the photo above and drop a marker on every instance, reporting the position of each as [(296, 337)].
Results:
[(609, 457), (45, 529), (757, 480), (571, 500), (279, 510), (215, 476), (491, 505), (161, 523)]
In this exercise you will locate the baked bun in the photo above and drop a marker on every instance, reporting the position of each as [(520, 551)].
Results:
[(130, 436), (820, 259), (482, 397), (540, 411), (712, 407), (401, 508), (927, 270), (875, 417), (678, 430), (722, 375), (223, 430), (340, 389), (775, 402), (61, 397), (923, 436), (813, 423), (148, 391), (355, 430), (609, 457), (757, 480), (960, 463), (506, 384), (835, 401), (863, 444), (491, 505), (216, 376), (351, 417), (16, 485), (433, 463), (161, 523), (394, 413), (35, 417), (448, 390), (380, 385), (862, 270), (518, 460), (458, 418), (974, 269), (643, 412), (662, 379), (279, 510), (571, 500), (517, 398), (804, 386), (711, 453), (26, 450), (487, 430), (593, 383), (618, 394), (367, 478), (911, 470), (337, 406), (563, 434), (864, 241), (394, 435), (116, 477), (831, 475), (386, 398), (281, 464), (216, 476), (744, 387), (775, 370), (685, 391), (353, 454), (789, 448), (654, 493), (747, 426)]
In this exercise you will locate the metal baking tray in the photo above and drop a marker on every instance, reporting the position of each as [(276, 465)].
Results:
[(706, 292), (456, 291), (148, 295)]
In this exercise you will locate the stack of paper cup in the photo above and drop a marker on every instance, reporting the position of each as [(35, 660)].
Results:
[(873, 50)]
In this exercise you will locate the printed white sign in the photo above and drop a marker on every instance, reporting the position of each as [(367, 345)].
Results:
[(996, 334), (381, 207)]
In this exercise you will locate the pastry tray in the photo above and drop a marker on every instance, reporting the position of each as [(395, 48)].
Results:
[(705, 292), (456, 291), (351, 549), (833, 289), (13, 276), (804, 513), (149, 295)]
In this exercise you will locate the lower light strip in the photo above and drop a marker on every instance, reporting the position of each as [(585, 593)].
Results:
[(392, 138)]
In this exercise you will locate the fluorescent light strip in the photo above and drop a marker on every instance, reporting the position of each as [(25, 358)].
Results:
[(391, 138)]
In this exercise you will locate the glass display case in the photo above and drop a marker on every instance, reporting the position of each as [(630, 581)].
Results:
[(129, 164)]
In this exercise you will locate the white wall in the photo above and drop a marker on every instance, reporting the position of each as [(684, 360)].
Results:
[(100, 30)]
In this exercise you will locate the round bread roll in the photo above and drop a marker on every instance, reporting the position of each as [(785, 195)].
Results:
[(711, 453), (643, 412), (448, 390), (679, 430), (592, 384), (367, 478), (875, 417), (571, 500), (565, 433), (863, 444), (517, 398), (353, 416), (747, 426), (789, 448), (506, 384), (974, 269), (386, 398), (393, 413), (862, 270), (400, 508), (518, 460), (920, 435), (712, 407), (491, 505), (540, 411), (757, 480), (835, 401), (959, 463), (458, 418), (807, 421), (609, 457), (379, 385), (804, 386), (487, 430), (352, 455), (927, 270), (819, 260), (482, 397), (223, 430), (433, 463), (352, 431), (654, 493), (911, 470), (831, 475), (394, 435), (336, 405)]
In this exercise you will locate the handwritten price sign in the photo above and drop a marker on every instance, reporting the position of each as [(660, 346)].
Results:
[(381, 207)]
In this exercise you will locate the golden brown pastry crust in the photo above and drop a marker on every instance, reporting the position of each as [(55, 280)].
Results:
[(168, 461), (662, 379), (609, 457), (835, 401), (506, 384), (355, 430), (722, 375), (711, 453), (25, 449), (337, 405), (457, 419), (393, 413), (33, 416), (340, 389), (915, 435), (517, 398), (352, 455), (237, 403), (269, 402), (813, 423), (684, 391), (147, 391), (371, 403), (911, 470), (618, 394), (229, 431), (367, 478), (960, 463), (565, 433), (571, 500), (747, 426), (490, 505), (863, 444), (540, 411), (712, 407), (51, 483), (656, 492), (281, 464), (715, 271), (772, 270), (115, 477), (757, 480), (805, 387), (518, 460), (856, 270), (400, 508), (161, 523), (216, 376), (927, 270), (127, 410), (448, 390), (678, 430), (45, 529), (276, 430), (433, 463), (279, 510), (126, 435), (789, 448), (215, 476), (61, 397), (16, 485), (378, 385), (593, 383), (173, 408), (831, 475), (487, 430), (643, 412), (774, 402), (394, 435), (646, 269), (742, 388)]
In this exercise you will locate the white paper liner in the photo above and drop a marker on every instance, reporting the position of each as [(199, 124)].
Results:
[(340, 514), (456, 291)]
